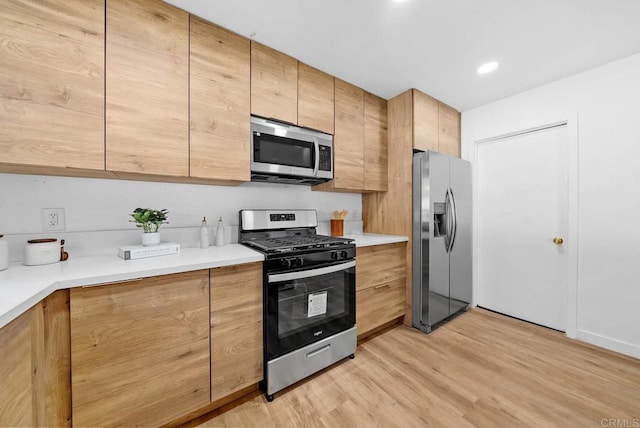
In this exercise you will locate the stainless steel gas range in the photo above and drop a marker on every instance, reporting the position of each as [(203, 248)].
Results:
[(309, 294)]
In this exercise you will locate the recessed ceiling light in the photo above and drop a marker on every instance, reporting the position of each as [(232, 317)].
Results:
[(487, 67)]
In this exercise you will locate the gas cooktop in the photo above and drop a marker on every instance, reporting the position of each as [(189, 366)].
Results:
[(296, 242)]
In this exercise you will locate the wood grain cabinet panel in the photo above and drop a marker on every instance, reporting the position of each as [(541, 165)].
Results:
[(274, 84), (236, 328), (34, 366), (425, 121), (315, 99), (380, 285), (52, 83), (147, 62), (379, 305), (379, 264), (348, 141), (375, 144), (140, 350), (220, 99), (448, 130)]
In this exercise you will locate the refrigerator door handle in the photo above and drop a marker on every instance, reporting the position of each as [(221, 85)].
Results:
[(454, 220), (447, 214)]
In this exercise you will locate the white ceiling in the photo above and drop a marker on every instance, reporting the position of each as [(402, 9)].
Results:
[(387, 47)]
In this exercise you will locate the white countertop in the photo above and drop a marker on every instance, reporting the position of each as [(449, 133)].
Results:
[(21, 286)]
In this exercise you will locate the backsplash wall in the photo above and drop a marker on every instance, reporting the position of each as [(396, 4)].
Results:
[(97, 210)]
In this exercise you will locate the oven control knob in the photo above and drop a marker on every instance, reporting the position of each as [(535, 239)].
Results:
[(298, 261), (334, 255), (344, 254), (286, 263)]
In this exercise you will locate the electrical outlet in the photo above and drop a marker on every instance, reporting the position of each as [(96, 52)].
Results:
[(53, 219)]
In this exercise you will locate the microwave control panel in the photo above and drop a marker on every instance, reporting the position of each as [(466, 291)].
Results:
[(325, 158)]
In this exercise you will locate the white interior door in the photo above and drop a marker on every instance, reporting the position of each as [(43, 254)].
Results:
[(522, 203)]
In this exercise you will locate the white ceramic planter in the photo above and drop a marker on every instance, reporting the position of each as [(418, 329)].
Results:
[(149, 239)]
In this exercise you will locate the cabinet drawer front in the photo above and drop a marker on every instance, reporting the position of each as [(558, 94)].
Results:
[(380, 304), (379, 264)]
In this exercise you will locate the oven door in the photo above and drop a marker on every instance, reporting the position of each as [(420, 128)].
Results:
[(305, 306)]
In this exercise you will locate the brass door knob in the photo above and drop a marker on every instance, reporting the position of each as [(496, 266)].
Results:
[(558, 241)]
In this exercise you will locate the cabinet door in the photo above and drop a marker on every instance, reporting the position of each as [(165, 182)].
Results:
[(140, 350), (315, 99), (449, 130), (34, 366), (375, 143), (219, 103), (236, 328), (274, 84), (425, 121), (147, 95), (379, 305), (52, 83)]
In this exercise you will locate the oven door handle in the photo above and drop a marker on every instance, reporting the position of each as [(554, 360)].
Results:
[(310, 272)]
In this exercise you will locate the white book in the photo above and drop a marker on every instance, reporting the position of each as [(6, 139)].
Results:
[(134, 252)]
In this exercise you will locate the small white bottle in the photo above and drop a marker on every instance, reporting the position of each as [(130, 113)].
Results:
[(204, 234), (220, 234)]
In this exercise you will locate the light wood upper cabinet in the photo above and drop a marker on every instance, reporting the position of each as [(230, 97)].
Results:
[(219, 103), (52, 83), (140, 350), (448, 130), (34, 366), (315, 99), (436, 126), (274, 84), (425, 121), (236, 328), (375, 143), (348, 140), (147, 62)]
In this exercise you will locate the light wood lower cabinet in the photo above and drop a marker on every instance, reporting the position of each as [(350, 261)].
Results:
[(380, 285), (34, 366), (140, 350), (236, 328)]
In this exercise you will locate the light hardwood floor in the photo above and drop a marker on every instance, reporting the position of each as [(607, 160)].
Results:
[(481, 369)]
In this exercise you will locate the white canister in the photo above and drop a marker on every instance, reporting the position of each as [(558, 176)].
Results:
[(4, 253), (41, 252)]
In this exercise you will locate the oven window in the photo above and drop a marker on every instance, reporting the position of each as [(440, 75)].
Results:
[(306, 302), (272, 149)]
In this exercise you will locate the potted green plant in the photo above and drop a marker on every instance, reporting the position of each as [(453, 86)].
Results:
[(149, 220)]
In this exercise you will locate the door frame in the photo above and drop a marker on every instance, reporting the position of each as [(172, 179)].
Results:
[(571, 243)]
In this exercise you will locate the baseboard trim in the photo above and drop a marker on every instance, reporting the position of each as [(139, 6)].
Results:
[(612, 344)]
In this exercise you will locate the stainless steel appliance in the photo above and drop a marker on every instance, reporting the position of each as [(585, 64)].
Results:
[(289, 154), (309, 294), (441, 238)]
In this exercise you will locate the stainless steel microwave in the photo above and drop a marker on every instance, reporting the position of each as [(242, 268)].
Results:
[(289, 154)]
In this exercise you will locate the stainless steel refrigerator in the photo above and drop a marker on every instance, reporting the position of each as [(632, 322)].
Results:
[(441, 238)]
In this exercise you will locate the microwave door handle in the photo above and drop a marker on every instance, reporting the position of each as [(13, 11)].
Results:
[(316, 146)]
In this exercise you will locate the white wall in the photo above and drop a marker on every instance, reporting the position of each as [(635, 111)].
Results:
[(607, 103), (97, 210)]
